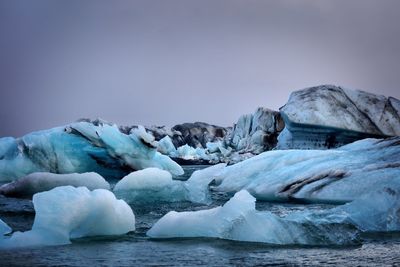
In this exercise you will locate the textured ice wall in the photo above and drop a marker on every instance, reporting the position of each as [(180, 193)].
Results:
[(82, 147), (328, 116), (337, 175)]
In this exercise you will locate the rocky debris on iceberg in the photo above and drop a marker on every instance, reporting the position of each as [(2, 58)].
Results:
[(33, 183), (239, 220), (201, 143), (82, 147), (153, 185), (198, 134), (329, 116), (66, 212), (256, 132), (331, 176)]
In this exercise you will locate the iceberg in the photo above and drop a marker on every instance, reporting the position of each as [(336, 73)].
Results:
[(331, 176), (239, 220), (82, 147), (155, 185), (165, 146), (256, 132), (329, 116), (66, 212), (33, 183)]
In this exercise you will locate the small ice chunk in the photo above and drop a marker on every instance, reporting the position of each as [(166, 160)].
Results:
[(155, 185), (67, 212), (165, 146), (43, 181)]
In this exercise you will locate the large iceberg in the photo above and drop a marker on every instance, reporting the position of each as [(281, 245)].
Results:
[(337, 175), (42, 181), (82, 147), (239, 220), (67, 212), (155, 185), (328, 116)]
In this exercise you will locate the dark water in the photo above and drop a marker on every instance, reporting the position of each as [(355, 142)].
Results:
[(135, 249)]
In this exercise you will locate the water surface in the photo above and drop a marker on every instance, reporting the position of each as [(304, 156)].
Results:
[(135, 249)]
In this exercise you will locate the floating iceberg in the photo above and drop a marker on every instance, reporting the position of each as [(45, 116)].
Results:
[(67, 212), (329, 116), (149, 185), (42, 181), (337, 175), (82, 147), (155, 185), (4, 228), (239, 220)]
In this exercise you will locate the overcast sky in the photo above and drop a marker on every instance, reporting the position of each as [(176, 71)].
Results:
[(166, 61)]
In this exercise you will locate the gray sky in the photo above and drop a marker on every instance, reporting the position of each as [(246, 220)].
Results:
[(166, 61)]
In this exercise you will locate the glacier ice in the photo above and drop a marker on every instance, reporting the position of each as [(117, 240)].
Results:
[(149, 185), (336, 175), (165, 146), (68, 212), (256, 132), (328, 116), (42, 181), (4, 228), (155, 185), (82, 147), (239, 220), (378, 211)]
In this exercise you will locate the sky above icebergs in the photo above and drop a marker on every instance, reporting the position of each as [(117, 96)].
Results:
[(167, 62)]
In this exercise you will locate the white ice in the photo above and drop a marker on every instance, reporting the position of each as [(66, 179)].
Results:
[(337, 175), (42, 181), (165, 146), (67, 212), (155, 185), (239, 220)]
